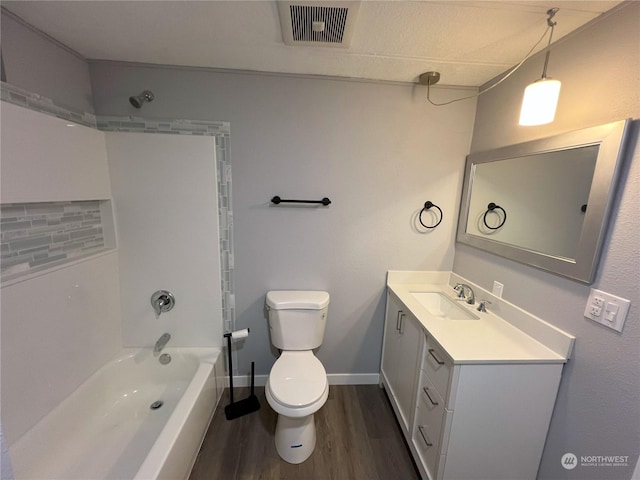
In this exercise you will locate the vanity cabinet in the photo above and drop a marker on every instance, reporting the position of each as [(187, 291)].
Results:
[(400, 361), (481, 421), (466, 419)]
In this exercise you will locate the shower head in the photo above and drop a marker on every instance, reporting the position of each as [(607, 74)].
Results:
[(138, 100)]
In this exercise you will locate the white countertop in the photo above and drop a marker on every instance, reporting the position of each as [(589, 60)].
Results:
[(490, 339)]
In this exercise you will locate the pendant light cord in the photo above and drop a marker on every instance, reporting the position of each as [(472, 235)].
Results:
[(550, 26)]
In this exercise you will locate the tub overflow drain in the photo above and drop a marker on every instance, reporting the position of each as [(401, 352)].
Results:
[(156, 405)]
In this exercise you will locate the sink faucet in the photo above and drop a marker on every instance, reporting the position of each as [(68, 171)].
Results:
[(482, 307), (470, 297), (161, 343)]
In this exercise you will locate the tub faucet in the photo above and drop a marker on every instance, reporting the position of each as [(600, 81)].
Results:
[(470, 297), (161, 343)]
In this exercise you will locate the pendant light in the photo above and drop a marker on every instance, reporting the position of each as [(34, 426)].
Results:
[(541, 97), (531, 114)]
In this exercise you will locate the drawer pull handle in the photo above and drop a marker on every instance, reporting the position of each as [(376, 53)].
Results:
[(438, 361), (399, 319), (424, 436), (426, 391)]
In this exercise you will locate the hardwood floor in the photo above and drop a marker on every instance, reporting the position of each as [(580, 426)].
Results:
[(358, 438)]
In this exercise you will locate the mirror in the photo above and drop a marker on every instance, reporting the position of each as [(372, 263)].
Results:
[(544, 203)]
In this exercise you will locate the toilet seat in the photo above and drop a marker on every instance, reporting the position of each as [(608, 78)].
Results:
[(297, 384), (297, 379)]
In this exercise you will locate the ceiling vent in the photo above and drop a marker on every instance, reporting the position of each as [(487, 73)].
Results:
[(318, 24)]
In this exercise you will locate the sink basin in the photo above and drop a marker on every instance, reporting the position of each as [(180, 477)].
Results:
[(439, 304)]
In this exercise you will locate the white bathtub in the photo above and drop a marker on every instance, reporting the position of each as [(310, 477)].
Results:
[(106, 429)]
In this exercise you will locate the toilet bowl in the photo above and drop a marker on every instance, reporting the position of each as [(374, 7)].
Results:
[(297, 386)]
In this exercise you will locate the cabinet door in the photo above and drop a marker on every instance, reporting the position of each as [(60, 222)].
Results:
[(402, 339), (410, 337), (391, 350)]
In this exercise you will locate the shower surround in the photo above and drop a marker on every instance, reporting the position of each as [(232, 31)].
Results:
[(70, 314)]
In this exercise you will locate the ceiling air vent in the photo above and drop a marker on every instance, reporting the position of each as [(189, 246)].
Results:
[(324, 24)]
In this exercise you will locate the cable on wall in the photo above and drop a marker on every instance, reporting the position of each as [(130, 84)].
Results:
[(431, 78)]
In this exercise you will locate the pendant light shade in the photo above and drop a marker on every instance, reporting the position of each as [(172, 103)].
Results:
[(539, 102), (541, 97)]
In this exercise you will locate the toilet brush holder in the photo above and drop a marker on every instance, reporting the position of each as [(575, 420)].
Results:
[(246, 405)]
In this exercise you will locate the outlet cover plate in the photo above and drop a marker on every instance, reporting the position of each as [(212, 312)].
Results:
[(606, 309), (497, 289)]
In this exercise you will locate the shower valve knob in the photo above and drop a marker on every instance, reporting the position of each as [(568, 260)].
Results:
[(162, 301)]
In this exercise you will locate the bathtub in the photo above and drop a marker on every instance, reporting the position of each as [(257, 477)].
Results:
[(107, 430)]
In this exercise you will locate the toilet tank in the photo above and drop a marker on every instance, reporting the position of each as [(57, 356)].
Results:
[(297, 318)]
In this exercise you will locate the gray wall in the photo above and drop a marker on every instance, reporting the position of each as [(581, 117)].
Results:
[(377, 150), (597, 411), (33, 62)]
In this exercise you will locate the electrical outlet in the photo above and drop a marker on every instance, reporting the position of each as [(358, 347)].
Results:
[(594, 311), (607, 309), (497, 289)]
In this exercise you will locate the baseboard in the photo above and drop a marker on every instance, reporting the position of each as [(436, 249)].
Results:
[(334, 379), (353, 378), (245, 380)]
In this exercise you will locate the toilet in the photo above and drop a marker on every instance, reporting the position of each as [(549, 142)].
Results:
[(297, 386)]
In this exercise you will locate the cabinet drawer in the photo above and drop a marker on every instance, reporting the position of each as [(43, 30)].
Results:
[(437, 367), (432, 407), (428, 426)]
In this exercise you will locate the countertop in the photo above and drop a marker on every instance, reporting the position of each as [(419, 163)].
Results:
[(490, 339)]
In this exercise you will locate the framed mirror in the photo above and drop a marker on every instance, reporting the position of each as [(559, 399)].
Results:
[(544, 203)]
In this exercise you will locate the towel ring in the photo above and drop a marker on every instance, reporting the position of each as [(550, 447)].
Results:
[(426, 207), (490, 208)]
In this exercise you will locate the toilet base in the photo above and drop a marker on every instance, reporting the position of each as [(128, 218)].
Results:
[(295, 438)]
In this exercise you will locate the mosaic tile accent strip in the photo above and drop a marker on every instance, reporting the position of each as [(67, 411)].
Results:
[(225, 220), (144, 125), (12, 94), (34, 236)]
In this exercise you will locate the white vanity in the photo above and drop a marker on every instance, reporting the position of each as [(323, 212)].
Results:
[(473, 391)]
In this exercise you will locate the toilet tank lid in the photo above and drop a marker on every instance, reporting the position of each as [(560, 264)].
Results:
[(297, 299)]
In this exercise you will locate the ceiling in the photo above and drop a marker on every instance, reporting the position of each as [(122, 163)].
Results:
[(469, 42)]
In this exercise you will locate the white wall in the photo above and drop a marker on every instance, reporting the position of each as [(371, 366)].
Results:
[(57, 327), (378, 151), (597, 411), (47, 159), (165, 202), (57, 330)]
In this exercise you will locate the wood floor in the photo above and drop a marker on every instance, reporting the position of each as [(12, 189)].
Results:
[(358, 438)]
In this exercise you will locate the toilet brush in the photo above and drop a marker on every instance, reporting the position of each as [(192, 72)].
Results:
[(246, 405)]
